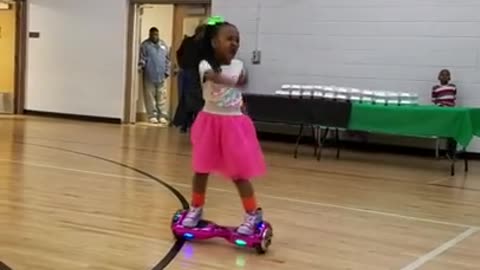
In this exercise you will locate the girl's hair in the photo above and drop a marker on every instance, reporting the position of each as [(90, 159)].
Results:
[(207, 52)]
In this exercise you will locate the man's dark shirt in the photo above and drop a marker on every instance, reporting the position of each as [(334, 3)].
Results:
[(188, 54)]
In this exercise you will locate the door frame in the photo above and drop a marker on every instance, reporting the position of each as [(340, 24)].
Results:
[(129, 112), (20, 57)]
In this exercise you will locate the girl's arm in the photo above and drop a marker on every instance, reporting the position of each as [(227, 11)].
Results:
[(243, 79), (207, 73), (218, 78)]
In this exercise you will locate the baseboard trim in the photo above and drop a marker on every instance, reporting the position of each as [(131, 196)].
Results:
[(142, 117), (85, 118)]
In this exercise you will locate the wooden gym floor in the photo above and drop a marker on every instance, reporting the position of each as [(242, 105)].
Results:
[(76, 195)]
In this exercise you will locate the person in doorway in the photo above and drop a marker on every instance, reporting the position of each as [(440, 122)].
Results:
[(155, 65), (190, 99), (445, 95)]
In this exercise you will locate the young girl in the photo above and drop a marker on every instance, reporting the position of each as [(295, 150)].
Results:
[(224, 139)]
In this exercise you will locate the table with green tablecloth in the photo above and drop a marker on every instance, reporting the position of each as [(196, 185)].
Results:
[(459, 123)]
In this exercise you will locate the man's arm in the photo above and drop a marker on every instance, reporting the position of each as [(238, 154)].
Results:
[(180, 53), (142, 60), (168, 61)]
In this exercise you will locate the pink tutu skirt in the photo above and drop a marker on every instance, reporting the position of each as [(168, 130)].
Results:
[(228, 145)]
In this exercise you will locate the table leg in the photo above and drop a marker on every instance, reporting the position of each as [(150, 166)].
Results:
[(324, 137), (452, 154), (315, 147), (466, 163), (297, 144), (465, 159), (337, 142), (320, 141)]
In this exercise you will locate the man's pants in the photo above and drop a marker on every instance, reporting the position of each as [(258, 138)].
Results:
[(155, 99), (185, 85)]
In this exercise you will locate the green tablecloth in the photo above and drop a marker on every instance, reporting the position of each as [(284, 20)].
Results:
[(458, 123), (475, 115)]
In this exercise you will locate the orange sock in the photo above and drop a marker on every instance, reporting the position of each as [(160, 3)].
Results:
[(249, 204), (198, 199)]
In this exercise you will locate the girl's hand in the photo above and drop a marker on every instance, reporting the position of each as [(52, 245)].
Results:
[(218, 78)]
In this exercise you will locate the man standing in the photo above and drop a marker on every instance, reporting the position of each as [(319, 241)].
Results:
[(155, 64), (190, 99)]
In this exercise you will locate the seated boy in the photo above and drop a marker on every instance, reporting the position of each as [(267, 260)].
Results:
[(445, 95)]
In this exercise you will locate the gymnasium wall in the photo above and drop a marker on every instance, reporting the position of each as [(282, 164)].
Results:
[(398, 45), (77, 65)]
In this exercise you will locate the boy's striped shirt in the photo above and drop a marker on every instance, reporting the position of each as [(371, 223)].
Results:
[(444, 95)]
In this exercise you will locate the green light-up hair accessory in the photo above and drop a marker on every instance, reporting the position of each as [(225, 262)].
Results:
[(214, 20)]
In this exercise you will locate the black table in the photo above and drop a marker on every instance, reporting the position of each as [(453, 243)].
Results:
[(301, 112)]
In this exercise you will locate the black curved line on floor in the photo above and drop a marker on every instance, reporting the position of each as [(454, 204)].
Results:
[(177, 246), (4, 266)]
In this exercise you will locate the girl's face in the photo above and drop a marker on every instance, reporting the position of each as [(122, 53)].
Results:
[(226, 43)]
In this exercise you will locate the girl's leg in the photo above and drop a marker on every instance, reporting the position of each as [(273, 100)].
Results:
[(247, 194), (253, 213), (199, 188)]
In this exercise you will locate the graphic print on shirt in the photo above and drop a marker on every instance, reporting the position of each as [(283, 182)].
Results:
[(227, 96)]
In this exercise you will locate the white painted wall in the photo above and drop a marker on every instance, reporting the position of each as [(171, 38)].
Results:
[(160, 16), (77, 66), (377, 44)]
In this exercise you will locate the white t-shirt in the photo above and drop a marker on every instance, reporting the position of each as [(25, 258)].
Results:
[(222, 99)]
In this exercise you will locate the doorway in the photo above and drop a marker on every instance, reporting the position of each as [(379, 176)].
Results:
[(174, 22)]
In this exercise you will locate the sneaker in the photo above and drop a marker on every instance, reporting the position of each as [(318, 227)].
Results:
[(153, 120), (251, 221), (163, 121), (194, 216)]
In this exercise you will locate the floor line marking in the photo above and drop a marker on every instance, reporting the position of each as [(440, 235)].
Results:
[(75, 170), (320, 204), (440, 249)]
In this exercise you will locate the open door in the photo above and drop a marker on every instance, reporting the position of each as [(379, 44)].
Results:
[(185, 18)]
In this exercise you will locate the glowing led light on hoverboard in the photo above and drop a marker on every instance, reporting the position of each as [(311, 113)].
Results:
[(188, 236), (240, 243)]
